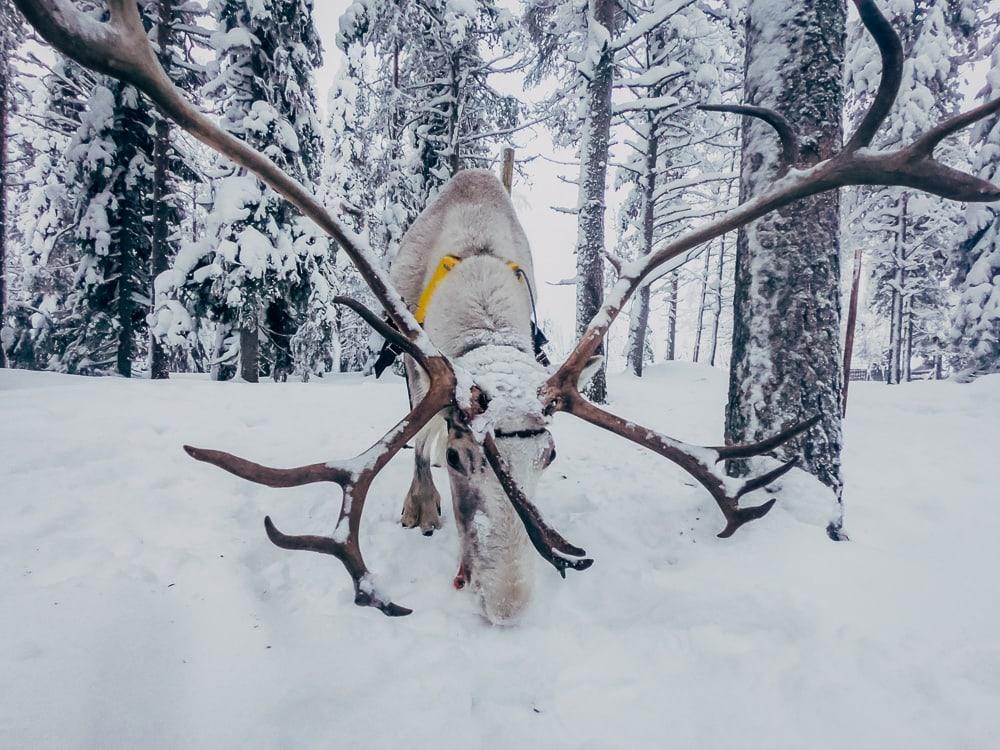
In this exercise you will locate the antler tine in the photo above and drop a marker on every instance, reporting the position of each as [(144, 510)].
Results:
[(121, 49), (784, 129), (381, 327), (747, 450), (355, 478), (890, 48), (255, 472), (924, 145), (698, 461), (547, 541)]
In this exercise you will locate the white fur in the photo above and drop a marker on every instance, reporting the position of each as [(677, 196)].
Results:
[(480, 315)]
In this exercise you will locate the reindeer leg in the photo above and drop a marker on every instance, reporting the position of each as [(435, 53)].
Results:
[(422, 505)]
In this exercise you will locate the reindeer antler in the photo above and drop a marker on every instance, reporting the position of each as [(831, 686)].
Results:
[(911, 166), (355, 478)]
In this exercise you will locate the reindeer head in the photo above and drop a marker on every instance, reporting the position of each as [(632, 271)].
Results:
[(495, 548), (119, 47)]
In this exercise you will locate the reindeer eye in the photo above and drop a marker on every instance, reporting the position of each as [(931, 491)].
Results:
[(452, 457)]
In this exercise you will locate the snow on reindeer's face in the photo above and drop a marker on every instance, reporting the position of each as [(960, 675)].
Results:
[(497, 559)]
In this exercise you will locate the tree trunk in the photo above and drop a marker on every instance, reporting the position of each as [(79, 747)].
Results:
[(250, 346), (908, 350), (454, 158), (507, 170), (852, 321), (671, 349), (720, 267), (895, 327), (4, 107), (281, 329), (786, 358), (640, 316), (701, 304), (718, 301), (638, 326), (159, 367), (593, 180), (217, 370), (126, 304)]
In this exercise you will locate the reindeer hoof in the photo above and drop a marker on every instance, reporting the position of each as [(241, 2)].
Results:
[(423, 510)]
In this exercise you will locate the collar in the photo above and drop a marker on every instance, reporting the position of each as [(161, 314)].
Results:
[(445, 267)]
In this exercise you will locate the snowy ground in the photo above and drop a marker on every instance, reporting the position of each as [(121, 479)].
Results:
[(141, 604)]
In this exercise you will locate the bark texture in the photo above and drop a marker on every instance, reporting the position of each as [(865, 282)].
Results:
[(639, 328), (5, 70), (786, 356), (670, 349), (593, 177), (159, 366)]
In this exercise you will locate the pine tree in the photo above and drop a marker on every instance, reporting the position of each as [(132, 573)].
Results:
[(677, 67), (48, 252), (254, 269), (177, 38), (433, 105), (110, 172), (785, 364), (355, 142), (590, 48), (86, 250), (975, 321), (575, 42), (905, 232)]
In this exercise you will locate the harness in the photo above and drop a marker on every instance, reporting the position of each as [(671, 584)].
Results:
[(389, 351)]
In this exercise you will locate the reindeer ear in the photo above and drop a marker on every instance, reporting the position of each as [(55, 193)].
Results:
[(589, 371)]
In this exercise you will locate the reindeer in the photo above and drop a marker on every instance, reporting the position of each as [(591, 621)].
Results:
[(465, 270), (469, 361)]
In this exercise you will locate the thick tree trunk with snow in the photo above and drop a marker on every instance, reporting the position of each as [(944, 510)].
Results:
[(786, 358), (640, 311), (4, 99), (593, 179), (5, 71)]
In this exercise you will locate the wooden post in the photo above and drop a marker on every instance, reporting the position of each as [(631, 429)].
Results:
[(852, 321), (507, 170)]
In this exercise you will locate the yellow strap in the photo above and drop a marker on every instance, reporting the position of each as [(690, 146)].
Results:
[(447, 263)]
